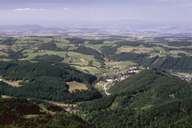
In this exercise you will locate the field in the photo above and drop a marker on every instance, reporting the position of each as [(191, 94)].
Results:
[(76, 86), (101, 55)]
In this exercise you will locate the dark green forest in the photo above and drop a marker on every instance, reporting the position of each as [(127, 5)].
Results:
[(45, 81), (151, 99)]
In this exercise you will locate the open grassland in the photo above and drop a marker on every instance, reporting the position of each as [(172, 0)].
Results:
[(138, 50), (75, 86)]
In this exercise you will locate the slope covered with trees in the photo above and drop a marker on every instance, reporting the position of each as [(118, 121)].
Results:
[(44, 81), (151, 99), (21, 113)]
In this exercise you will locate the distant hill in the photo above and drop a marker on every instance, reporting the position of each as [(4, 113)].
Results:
[(180, 64), (29, 30)]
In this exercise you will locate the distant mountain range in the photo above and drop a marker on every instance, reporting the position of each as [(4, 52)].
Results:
[(28, 29), (111, 29)]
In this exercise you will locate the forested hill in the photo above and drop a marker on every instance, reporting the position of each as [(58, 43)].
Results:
[(22, 113), (45, 81), (150, 99), (150, 88), (150, 79)]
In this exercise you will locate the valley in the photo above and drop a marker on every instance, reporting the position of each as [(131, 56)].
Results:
[(60, 81), (95, 64)]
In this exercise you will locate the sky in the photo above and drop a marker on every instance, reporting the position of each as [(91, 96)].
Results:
[(62, 12)]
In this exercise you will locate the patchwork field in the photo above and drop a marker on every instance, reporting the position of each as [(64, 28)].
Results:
[(98, 56)]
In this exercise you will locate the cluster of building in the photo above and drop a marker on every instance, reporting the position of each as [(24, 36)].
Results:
[(133, 70), (123, 74), (108, 81), (187, 78)]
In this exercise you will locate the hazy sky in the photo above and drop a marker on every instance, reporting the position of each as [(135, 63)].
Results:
[(60, 12)]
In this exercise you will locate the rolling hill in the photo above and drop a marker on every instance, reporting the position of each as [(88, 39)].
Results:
[(38, 71)]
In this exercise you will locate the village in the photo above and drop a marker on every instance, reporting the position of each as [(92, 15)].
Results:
[(187, 78), (107, 81)]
